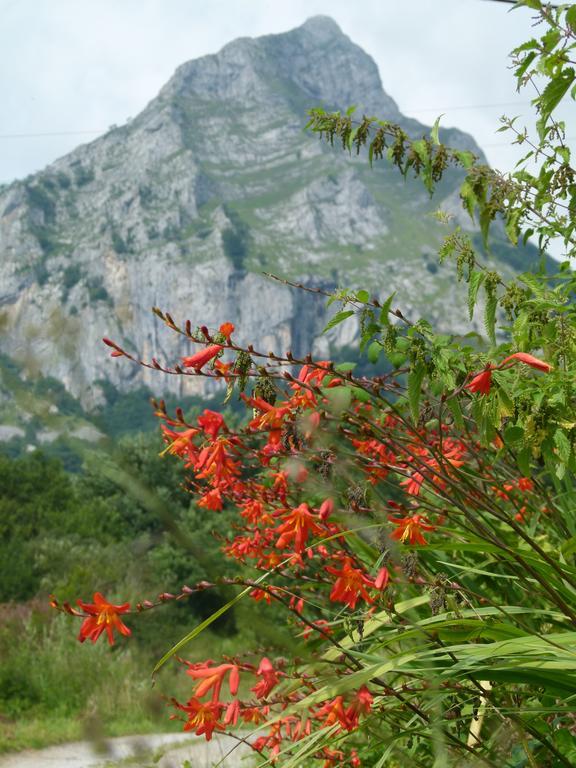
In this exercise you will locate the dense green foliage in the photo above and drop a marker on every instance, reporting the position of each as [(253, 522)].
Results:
[(57, 530)]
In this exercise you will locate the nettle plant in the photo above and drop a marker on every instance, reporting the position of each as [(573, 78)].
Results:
[(417, 527)]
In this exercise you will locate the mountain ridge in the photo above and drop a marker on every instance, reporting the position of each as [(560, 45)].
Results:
[(185, 206)]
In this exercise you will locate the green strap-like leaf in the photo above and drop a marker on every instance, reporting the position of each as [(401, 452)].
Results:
[(201, 627)]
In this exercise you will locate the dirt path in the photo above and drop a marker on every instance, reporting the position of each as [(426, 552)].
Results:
[(134, 752)]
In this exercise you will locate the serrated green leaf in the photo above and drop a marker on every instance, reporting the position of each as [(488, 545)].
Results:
[(338, 318), (466, 157), (529, 232), (513, 435), (360, 394), (374, 351), (523, 459), (415, 378), (397, 358), (456, 411), (476, 280), (363, 296), (468, 198), (534, 284), (435, 130), (563, 445), (485, 219), (421, 149), (338, 398), (490, 317), (345, 367), (385, 311), (506, 404), (529, 45), (555, 91), (513, 225), (525, 64)]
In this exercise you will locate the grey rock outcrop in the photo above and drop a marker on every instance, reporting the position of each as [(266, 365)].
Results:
[(186, 205)]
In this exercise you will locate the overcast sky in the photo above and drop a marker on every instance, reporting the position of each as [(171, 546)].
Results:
[(74, 66)]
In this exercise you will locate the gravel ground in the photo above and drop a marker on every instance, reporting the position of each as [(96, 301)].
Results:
[(134, 752)]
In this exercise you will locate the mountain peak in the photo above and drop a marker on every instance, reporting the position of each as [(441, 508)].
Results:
[(322, 27), (330, 68), (315, 63), (186, 205)]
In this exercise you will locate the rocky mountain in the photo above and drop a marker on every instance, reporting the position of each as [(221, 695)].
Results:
[(186, 205)]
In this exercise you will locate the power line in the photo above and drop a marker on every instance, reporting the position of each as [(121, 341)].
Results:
[(406, 109), (512, 144), (514, 2), (48, 133), (469, 106)]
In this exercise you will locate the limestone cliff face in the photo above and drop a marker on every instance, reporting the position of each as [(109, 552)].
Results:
[(185, 207)]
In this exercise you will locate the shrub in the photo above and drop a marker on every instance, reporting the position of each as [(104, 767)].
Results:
[(83, 175)]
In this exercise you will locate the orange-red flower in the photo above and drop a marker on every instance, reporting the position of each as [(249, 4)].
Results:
[(355, 761), (215, 461), (482, 381), (534, 362), (202, 718), (382, 578), (361, 704), (116, 351), (202, 357), (350, 584), (180, 443), (211, 500), (227, 329), (326, 509), (413, 484), (211, 422), (102, 616), (332, 713), (211, 678), (525, 484), (232, 713), (269, 679), (410, 529), (297, 526)]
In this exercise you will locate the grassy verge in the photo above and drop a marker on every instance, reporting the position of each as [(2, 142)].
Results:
[(54, 690), (46, 731)]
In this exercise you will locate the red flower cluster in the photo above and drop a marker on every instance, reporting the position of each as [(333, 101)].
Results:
[(295, 498)]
